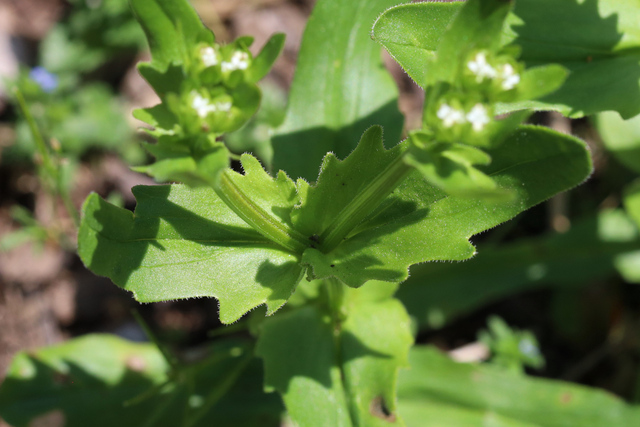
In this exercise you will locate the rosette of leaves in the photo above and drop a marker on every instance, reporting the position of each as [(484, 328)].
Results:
[(367, 217)]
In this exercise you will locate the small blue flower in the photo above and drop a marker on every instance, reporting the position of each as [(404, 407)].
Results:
[(47, 81)]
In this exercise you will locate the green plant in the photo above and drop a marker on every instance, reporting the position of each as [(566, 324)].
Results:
[(335, 246)]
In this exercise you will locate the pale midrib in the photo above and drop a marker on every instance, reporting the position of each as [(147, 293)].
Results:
[(450, 214)]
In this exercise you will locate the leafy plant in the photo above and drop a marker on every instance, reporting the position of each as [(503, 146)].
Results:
[(327, 251)]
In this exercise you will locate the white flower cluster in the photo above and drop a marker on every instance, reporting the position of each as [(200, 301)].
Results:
[(477, 116), (209, 56), (239, 61), (204, 107), (482, 69)]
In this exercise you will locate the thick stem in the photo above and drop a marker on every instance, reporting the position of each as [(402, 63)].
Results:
[(256, 217), (365, 201)]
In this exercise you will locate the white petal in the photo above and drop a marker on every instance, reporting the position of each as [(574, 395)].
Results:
[(478, 117), (450, 116), (209, 57)]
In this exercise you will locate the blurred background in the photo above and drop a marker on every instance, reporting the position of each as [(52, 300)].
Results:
[(562, 275)]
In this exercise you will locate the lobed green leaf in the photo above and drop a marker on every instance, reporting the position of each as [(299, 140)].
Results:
[(426, 225), (185, 243)]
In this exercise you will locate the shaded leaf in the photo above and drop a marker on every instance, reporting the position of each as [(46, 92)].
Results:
[(340, 88), (437, 391), (102, 380), (345, 378), (436, 294), (83, 382), (621, 138)]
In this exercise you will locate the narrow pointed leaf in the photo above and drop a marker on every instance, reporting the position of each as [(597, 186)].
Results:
[(440, 392), (262, 63), (534, 163), (171, 27), (340, 89), (185, 243), (450, 167), (198, 165)]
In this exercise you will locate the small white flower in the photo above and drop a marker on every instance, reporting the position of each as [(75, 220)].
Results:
[(509, 77), (202, 106), (223, 106), (209, 56), (481, 68), (478, 117), (450, 116), (239, 61)]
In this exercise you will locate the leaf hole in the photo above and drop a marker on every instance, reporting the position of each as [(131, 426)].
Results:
[(378, 408)]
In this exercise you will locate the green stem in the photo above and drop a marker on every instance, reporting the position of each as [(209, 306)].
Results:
[(365, 202), (256, 217), (51, 172), (170, 358), (222, 387), (41, 146)]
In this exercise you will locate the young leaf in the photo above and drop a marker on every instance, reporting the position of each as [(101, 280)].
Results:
[(411, 35), (340, 88), (171, 27), (342, 182), (477, 26), (440, 392), (194, 161), (185, 243), (594, 40), (262, 63), (339, 374), (450, 167), (534, 163)]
